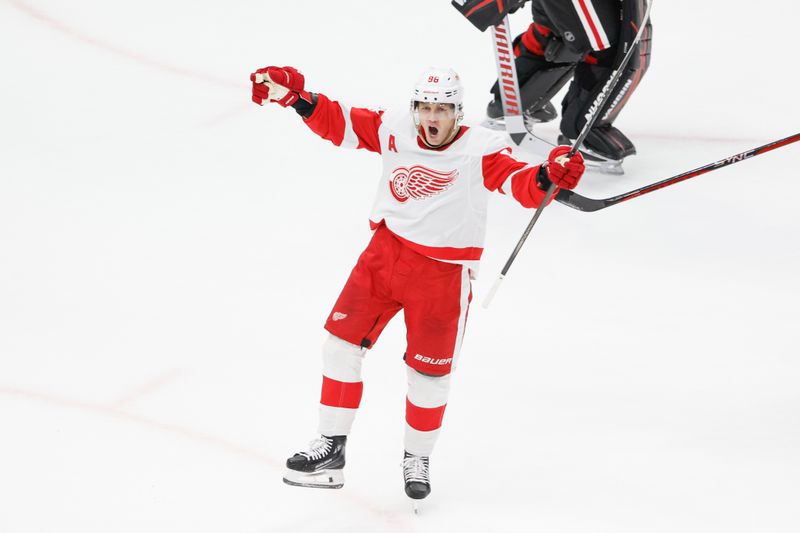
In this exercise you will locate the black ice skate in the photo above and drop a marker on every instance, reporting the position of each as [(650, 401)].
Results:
[(321, 466), (416, 475), (496, 120), (604, 148)]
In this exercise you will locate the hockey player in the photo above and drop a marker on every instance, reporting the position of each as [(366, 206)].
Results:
[(428, 224), (579, 40)]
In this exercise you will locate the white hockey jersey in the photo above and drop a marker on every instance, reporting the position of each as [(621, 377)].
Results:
[(433, 199)]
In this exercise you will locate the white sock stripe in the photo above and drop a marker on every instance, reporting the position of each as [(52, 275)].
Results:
[(427, 391), (589, 22), (341, 360), (420, 442), (335, 420)]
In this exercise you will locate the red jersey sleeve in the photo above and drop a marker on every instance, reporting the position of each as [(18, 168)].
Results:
[(344, 126), (504, 173)]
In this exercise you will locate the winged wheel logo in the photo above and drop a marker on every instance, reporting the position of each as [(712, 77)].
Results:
[(418, 182)]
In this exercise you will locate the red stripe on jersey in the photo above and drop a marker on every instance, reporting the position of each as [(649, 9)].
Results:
[(423, 418), (526, 191), (592, 25), (340, 393), (365, 125), (498, 168), (327, 120)]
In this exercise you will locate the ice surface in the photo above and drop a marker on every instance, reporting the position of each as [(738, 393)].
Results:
[(169, 251)]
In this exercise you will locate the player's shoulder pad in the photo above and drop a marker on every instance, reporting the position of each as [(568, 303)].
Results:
[(393, 116), (488, 141), (398, 121)]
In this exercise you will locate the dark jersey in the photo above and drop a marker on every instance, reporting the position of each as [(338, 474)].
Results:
[(584, 25)]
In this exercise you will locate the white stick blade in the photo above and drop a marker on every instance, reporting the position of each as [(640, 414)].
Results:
[(492, 291)]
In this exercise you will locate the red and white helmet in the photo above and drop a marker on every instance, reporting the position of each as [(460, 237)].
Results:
[(441, 86)]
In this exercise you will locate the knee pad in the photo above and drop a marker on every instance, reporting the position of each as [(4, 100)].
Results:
[(425, 406), (427, 391), (525, 62), (588, 82), (536, 93), (586, 87), (540, 88), (537, 74), (591, 78), (342, 360)]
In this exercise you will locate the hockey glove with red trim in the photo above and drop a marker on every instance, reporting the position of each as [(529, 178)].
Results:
[(563, 171), (284, 85)]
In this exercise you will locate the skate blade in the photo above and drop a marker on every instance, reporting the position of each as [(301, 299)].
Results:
[(536, 145), (415, 507), (494, 124), (499, 124), (599, 163), (605, 167), (324, 479)]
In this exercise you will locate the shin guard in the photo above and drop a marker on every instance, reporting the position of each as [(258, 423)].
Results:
[(425, 405), (341, 386)]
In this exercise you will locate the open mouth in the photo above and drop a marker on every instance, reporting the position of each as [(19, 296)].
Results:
[(433, 131)]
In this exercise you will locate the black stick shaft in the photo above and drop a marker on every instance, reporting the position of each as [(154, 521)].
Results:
[(590, 204), (550, 191), (601, 98), (590, 120), (704, 169)]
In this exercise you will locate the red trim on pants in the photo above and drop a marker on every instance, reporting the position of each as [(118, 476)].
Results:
[(424, 418)]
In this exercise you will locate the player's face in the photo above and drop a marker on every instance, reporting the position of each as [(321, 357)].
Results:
[(437, 121)]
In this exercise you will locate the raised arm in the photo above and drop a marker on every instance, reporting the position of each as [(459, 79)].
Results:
[(343, 126), (528, 183)]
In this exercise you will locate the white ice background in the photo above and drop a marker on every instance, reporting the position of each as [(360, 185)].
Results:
[(169, 252)]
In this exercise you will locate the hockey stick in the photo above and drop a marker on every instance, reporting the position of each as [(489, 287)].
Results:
[(512, 108), (582, 203)]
